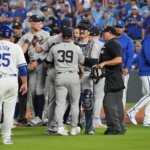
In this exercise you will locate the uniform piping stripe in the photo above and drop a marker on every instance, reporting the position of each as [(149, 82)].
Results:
[(141, 102), (22, 64)]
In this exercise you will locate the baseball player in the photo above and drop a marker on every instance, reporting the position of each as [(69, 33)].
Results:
[(91, 52), (11, 60), (66, 56), (36, 77), (98, 88), (143, 65)]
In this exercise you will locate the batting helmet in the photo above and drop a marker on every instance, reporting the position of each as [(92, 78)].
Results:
[(6, 31)]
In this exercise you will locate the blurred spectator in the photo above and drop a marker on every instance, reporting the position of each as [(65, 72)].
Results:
[(13, 4), (49, 19), (35, 9), (146, 25), (98, 13), (112, 11), (21, 11), (106, 20), (84, 3), (123, 14), (146, 9), (134, 24), (6, 16), (26, 24), (126, 4)]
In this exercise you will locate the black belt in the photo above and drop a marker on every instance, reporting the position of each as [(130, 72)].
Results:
[(7, 75), (65, 72)]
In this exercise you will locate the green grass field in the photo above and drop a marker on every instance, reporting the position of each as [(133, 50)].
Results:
[(33, 138)]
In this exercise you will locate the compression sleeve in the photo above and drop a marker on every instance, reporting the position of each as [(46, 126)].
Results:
[(22, 70)]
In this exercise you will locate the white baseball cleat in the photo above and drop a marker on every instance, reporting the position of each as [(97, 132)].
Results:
[(35, 122), (98, 124), (75, 130), (7, 141), (146, 124), (131, 117), (62, 131)]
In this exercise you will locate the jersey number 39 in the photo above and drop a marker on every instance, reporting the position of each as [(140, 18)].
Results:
[(5, 59), (65, 56)]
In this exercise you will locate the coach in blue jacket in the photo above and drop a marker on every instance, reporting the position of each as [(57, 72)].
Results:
[(127, 54)]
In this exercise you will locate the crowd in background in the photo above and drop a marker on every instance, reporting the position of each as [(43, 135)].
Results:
[(101, 13)]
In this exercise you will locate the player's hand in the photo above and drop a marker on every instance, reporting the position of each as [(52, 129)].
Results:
[(35, 40), (23, 89), (125, 71), (34, 65)]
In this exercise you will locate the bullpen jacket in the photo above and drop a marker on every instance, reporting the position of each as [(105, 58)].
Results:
[(127, 50)]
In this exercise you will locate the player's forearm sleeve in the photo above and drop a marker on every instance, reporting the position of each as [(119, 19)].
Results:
[(22, 70)]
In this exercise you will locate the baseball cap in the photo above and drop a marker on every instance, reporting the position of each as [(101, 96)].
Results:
[(5, 4), (65, 23), (135, 7), (84, 25), (94, 31), (45, 8), (120, 24), (61, 1), (98, 4), (35, 3), (29, 14), (111, 30), (67, 32), (110, 2), (35, 18), (17, 25)]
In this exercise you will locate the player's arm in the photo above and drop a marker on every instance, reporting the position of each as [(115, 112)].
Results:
[(23, 74)]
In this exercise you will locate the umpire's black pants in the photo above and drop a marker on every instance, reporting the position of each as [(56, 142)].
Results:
[(114, 111)]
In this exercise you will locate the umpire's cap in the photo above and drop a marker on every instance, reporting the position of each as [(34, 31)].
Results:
[(111, 30), (34, 18), (94, 31), (6, 31), (67, 32)]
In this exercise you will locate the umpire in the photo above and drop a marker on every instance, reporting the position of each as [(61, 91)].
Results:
[(111, 59)]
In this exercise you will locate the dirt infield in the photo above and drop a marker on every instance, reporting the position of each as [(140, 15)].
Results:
[(139, 116)]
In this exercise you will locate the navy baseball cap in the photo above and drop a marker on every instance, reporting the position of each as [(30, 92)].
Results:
[(45, 8), (67, 32), (120, 24), (98, 4), (111, 30), (94, 31), (35, 18), (65, 23), (17, 25)]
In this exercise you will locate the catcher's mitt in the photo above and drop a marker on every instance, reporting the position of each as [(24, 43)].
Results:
[(97, 74)]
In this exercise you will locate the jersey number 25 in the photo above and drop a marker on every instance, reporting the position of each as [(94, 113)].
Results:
[(4, 59)]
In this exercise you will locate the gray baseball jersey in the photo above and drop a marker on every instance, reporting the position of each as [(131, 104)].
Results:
[(66, 56), (42, 36)]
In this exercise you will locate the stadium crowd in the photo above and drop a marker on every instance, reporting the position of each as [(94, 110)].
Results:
[(130, 18)]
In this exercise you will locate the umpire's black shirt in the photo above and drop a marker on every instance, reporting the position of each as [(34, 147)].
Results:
[(110, 50)]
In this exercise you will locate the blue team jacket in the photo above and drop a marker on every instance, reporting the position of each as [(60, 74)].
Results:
[(143, 58), (127, 50)]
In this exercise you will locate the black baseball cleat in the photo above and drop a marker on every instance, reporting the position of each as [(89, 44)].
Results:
[(113, 132)]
